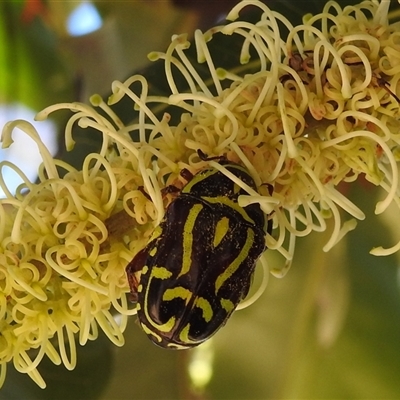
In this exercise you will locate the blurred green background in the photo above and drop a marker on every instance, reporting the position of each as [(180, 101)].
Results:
[(329, 330)]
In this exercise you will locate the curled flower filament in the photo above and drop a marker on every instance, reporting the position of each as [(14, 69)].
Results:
[(317, 105)]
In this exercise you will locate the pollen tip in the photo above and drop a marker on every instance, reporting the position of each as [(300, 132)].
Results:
[(153, 56), (41, 115), (234, 15), (95, 100)]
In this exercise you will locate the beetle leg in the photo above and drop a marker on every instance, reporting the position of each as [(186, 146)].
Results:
[(380, 82), (186, 174), (169, 189), (135, 266), (204, 157)]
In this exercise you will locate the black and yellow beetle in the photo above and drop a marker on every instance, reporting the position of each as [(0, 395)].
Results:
[(198, 263)]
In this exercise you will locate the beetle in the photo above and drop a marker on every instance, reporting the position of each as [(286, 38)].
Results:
[(198, 264)]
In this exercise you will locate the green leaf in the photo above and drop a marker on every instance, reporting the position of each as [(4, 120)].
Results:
[(31, 67)]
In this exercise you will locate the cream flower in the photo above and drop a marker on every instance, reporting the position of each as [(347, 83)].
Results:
[(320, 107)]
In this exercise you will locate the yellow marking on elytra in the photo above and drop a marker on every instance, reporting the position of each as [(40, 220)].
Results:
[(233, 266), (227, 305), (184, 335), (205, 306), (176, 346), (167, 327), (211, 171), (196, 179), (156, 233), (178, 292), (150, 332), (140, 288), (153, 252), (144, 270), (220, 230), (230, 203), (160, 273), (188, 238)]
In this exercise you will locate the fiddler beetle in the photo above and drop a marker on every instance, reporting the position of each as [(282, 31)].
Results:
[(198, 263)]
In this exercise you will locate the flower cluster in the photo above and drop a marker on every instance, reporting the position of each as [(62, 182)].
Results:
[(321, 108)]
